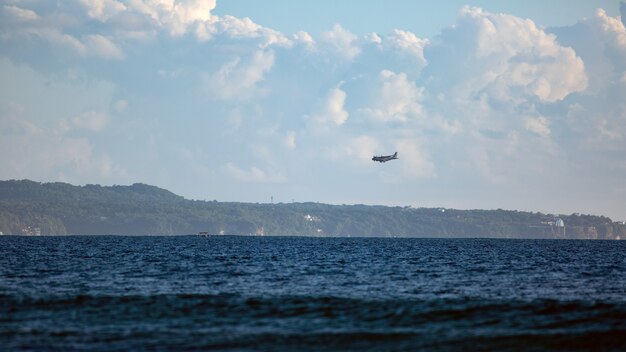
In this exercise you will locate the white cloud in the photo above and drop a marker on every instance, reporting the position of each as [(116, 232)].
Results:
[(62, 40), (88, 46), (613, 28), (397, 51), (103, 47), (608, 131), (598, 119), (374, 38), (245, 28), (601, 42), (59, 30), (341, 42), (539, 125), (194, 10), (508, 58), (305, 39), (407, 42), (237, 80), (194, 16), (19, 13), (176, 16), (495, 98), (331, 113), (396, 100), (103, 10)]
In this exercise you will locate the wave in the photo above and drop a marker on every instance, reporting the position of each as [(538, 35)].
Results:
[(240, 322), (284, 306)]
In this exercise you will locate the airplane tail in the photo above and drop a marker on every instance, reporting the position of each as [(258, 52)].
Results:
[(395, 155)]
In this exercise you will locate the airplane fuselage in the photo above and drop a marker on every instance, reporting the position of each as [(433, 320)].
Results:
[(385, 158)]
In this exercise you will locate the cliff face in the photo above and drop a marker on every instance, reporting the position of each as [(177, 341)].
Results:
[(32, 208)]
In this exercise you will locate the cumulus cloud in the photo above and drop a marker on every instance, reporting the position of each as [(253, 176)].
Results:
[(331, 112), (406, 43), (235, 27), (119, 21), (495, 87), (397, 51), (601, 42), (342, 43), (613, 28), (103, 47), (395, 100), (539, 125), (237, 79), (304, 38), (175, 16), (505, 57), (86, 46), (21, 24), (494, 97), (194, 16), (598, 119), (19, 14), (102, 10)]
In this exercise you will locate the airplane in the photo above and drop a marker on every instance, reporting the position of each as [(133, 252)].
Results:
[(385, 158)]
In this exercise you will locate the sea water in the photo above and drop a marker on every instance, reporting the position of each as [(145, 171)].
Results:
[(297, 293)]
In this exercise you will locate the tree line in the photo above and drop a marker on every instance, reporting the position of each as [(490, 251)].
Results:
[(28, 207)]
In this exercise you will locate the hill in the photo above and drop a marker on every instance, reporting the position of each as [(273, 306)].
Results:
[(28, 207)]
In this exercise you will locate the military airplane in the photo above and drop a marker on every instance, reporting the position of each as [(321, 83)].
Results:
[(385, 158)]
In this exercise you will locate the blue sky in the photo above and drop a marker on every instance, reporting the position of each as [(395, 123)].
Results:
[(424, 18), (489, 104)]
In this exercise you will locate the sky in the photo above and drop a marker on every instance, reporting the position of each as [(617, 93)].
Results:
[(489, 104)]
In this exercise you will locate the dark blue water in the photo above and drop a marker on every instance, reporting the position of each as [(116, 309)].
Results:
[(258, 294)]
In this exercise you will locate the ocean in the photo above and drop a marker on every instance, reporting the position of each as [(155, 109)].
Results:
[(123, 293)]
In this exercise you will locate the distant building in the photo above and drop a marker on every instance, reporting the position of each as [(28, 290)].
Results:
[(31, 231), (557, 226), (559, 222), (309, 217)]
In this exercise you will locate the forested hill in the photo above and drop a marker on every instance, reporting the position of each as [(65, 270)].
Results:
[(28, 207)]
